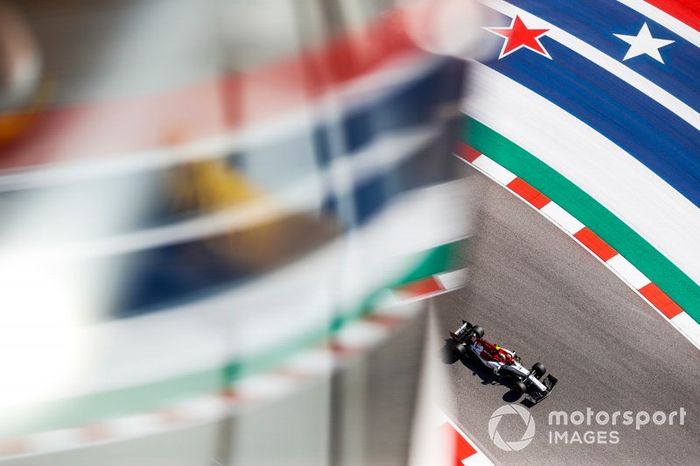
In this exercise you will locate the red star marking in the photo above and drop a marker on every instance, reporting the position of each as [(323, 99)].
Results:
[(518, 35)]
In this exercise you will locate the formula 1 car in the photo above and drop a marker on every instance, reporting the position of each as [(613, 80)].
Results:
[(467, 342)]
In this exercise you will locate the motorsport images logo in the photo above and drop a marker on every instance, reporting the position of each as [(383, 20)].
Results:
[(576, 427), (510, 410)]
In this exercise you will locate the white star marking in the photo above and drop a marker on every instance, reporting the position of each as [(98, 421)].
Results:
[(644, 43)]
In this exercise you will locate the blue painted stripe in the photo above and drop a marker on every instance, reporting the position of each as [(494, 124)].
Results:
[(659, 139), (372, 195), (595, 22), (411, 104)]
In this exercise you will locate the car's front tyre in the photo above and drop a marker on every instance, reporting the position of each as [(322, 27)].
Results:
[(538, 369), (518, 388)]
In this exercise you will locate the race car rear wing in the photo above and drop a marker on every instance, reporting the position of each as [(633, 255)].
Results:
[(462, 332)]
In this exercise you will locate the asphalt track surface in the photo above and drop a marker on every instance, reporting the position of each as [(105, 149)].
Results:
[(536, 291)]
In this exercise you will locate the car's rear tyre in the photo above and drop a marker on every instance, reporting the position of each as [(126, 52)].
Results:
[(538, 369), (462, 350), (478, 331), (449, 352)]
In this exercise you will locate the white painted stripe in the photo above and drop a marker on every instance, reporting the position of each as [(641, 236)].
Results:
[(494, 170), (361, 335), (317, 362), (619, 182), (398, 307), (437, 204), (561, 217), (628, 272), (203, 408), (452, 280), (688, 326), (634, 79), (477, 459), (55, 440), (669, 22), (264, 386), (133, 426)]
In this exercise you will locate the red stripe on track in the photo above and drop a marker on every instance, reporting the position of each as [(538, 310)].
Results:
[(660, 300), (464, 449), (467, 152), (593, 242), (208, 108), (461, 447), (687, 11), (230, 395), (341, 350), (528, 192), (421, 287), (95, 432), (388, 321), (13, 447), (170, 416), (290, 373)]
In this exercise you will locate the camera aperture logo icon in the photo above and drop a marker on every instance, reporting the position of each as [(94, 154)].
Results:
[(509, 410)]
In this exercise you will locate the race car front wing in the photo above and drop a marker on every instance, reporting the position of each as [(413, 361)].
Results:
[(549, 381)]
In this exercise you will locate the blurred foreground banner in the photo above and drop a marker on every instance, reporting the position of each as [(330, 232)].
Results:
[(218, 219)]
